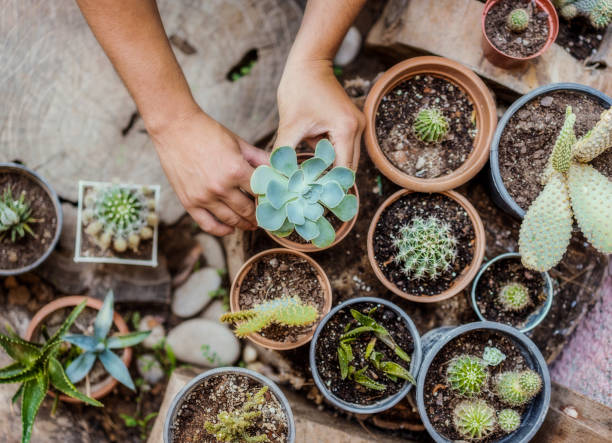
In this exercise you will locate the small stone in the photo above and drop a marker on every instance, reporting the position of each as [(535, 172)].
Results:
[(193, 296), (546, 101), (150, 369), (273, 262), (249, 354), (158, 332), (349, 48), (12, 256), (214, 311), (212, 251), (420, 163), (10, 282), (18, 296)]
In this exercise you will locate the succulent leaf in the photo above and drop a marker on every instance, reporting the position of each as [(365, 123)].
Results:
[(284, 160), (308, 231), (361, 378), (344, 176), (597, 139), (296, 181), (332, 194), (15, 216), (269, 218), (313, 211), (347, 208), (80, 367), (325, 151), (313, 168), (474, 419), (285, 230), (493, 356), (295, 212), (126, 340), (116, 368), (85, 342), (430, 125), (278, 194), (262, 176), (60, 381), (561, 156), (34, 392), (104, 319), (18, 349)]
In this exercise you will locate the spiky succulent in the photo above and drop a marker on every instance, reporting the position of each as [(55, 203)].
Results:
[(474, 419), (430, 125), (599, 12), (467, 374), (119, 216), (292, 196), (514, 297), (285, 311), (509, 420), (425, 248), (99, 346), (518, 20), (493, 356), (517, 388), (233, 426), (15, 216), (570, 184)]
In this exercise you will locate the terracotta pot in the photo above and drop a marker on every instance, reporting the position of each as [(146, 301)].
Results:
[(342, 231), (502, 60), (93, 303), (323, 281), (460, 282), (470, 83)]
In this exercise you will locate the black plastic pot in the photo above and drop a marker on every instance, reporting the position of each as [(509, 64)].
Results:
[(498, 191), (382, 404), (536, 411)]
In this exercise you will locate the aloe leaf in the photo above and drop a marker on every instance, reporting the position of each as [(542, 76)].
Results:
[(401, 354), (116, 368), (332, 194), (20, 350), (126, 340), (80, 367), (104, 319), (295, 212), (11, 370), (85, 342), (357, 331), (285, 230), (344, 176), (313, 211), (61, 382), (284, 160), (67, 323), (309, 230), (262, 176), (296, 181), (326, 236), (347, 208), (370, 347), (366, 320), (17, 394), (269, 218), (34, 392), (393, 369), (325, 151), (343, 362), (361, 378), (313, 167)]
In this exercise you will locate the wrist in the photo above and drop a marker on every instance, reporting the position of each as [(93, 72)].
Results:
[(163, 117)]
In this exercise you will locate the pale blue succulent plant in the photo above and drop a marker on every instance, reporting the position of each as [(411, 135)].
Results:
[(292, 196)]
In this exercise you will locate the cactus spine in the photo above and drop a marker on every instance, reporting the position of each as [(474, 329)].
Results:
[(514, 297), (467, 375), (474, 419), (518, 20), (509, 420), (430, 125)]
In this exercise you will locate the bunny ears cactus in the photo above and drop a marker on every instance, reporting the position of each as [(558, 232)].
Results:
[(292, 196)]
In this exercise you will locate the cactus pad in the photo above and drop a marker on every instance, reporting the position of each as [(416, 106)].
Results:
[(474, 419), (467, 375), (597, 140)]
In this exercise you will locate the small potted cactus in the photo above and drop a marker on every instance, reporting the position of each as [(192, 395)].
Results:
[(301, 202), (117, 223), (30, 219), (598, 12), (277, 299), (482, 381), (364, 354), (514, 31), (505, 291), (240, 406), (426, 247)]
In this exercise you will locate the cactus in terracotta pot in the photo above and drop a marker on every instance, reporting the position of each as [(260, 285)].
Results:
[(518, 20)]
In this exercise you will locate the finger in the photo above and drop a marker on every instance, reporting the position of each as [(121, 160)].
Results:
[(289, 136), (344, 143), (254, 156), (356, 153), (210, 224), (243, 177), (226, 215), (241, 205)]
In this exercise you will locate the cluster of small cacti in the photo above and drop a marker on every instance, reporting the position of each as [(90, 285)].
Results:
[(570, 184), (119, 216), (599, 12), (234, 426), (517, 388), (284, 311), (15, 216), (430, 125), (518, 20), (425, 248), (514, 297)]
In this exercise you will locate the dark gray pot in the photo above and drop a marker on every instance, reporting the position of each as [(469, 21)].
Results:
[(498, 191), (536, 411), (20, 169), (382, 404), (537, 316), (179, 398)]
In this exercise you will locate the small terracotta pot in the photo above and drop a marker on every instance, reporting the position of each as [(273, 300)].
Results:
[(323, 281), (459, 75), (93, 303), (463, 280), (342, 231), (498, 58)]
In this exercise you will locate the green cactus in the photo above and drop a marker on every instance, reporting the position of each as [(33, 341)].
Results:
[(425, 248), (467, 375), (599, 12), (15, 216), (514, 297), (285, 311), (474, 419), (517, 388), (518, 20), (233, 426), (430, 125), (509, 420)]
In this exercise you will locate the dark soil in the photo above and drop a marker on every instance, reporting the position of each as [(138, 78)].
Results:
[(282, 275), (517, 44), (498, 275), (394, 126), (440, 399), (400, 213), (529, 137), (327, 354), (30, 248), (578, 37), (227, 392)]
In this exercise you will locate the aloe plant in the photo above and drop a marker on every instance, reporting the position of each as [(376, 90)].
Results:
[(294, 197), (99, 346), (37, 368), (15, 216)]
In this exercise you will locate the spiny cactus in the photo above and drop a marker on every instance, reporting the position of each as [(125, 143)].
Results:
[(285, 311), (599, 12), (425, 248), (293, 196), (514, 297), (430, 125), (517, 388), (509, 420), (518, 20), (234, 426), (474, 419), (467, 375), (15, 216), (493, 356), (121, 216), (568, 184)]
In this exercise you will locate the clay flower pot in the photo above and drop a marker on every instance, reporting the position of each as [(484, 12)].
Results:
[(93, 303), (475, 89), (462, 280), (342, 231), (498, 58), (323, 281)]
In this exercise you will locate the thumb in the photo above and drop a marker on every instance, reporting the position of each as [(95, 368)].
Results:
[(254, 156)]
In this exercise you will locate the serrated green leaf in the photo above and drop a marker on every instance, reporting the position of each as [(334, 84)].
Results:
[(343, 362), (67, 324), (34, 392), (366, 320), (370, 347), (126, 340), (20, 350), (11, 370), (60, 381), (401, 354), (393, 369), (361, 378)]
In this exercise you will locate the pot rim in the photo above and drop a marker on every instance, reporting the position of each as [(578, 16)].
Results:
[(194, 382), (462, 280), (537, 316), (321, 277), (59, 216), (470, 84), (93, 303), (387, 402)]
